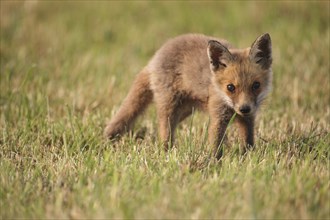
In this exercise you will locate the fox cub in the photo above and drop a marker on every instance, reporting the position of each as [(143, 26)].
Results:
[(194, 71)]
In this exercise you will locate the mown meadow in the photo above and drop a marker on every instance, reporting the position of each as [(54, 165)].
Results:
[(67, 66)]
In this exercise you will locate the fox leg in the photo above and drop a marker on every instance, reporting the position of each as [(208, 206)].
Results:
[(219, 120), (217, 135), (246, 130), (167, 122), (170, 115), (171, 110)]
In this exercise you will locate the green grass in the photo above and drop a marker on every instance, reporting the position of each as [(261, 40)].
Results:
[(66, 67)]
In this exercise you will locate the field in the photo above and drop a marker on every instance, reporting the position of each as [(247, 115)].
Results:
[(67, 66)]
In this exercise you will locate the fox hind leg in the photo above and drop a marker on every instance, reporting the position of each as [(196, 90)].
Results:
[(171, 111), (167, 122)]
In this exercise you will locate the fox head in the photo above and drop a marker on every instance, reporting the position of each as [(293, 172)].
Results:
[(242, 77)]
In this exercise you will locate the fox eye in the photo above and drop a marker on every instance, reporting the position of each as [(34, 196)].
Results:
[(255, 86), (231, 88)]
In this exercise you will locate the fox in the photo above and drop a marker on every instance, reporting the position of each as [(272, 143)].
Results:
[(198, 72)]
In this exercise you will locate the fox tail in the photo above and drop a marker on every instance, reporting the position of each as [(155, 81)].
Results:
[(137, 100)]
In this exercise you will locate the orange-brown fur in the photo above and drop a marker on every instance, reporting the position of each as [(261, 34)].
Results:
[(193, 72)]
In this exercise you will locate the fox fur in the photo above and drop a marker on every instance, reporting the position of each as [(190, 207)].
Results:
[(195, 71)]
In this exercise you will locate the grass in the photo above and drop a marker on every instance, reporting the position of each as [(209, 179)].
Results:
[(66, 67)]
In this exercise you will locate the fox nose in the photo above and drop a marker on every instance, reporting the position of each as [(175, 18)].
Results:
[(245, 109)]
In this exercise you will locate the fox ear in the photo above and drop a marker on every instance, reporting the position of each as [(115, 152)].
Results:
[(261, 51), (219, 55)]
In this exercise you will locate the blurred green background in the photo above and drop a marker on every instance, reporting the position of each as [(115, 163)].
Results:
[(76, 46), (66, 67)]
